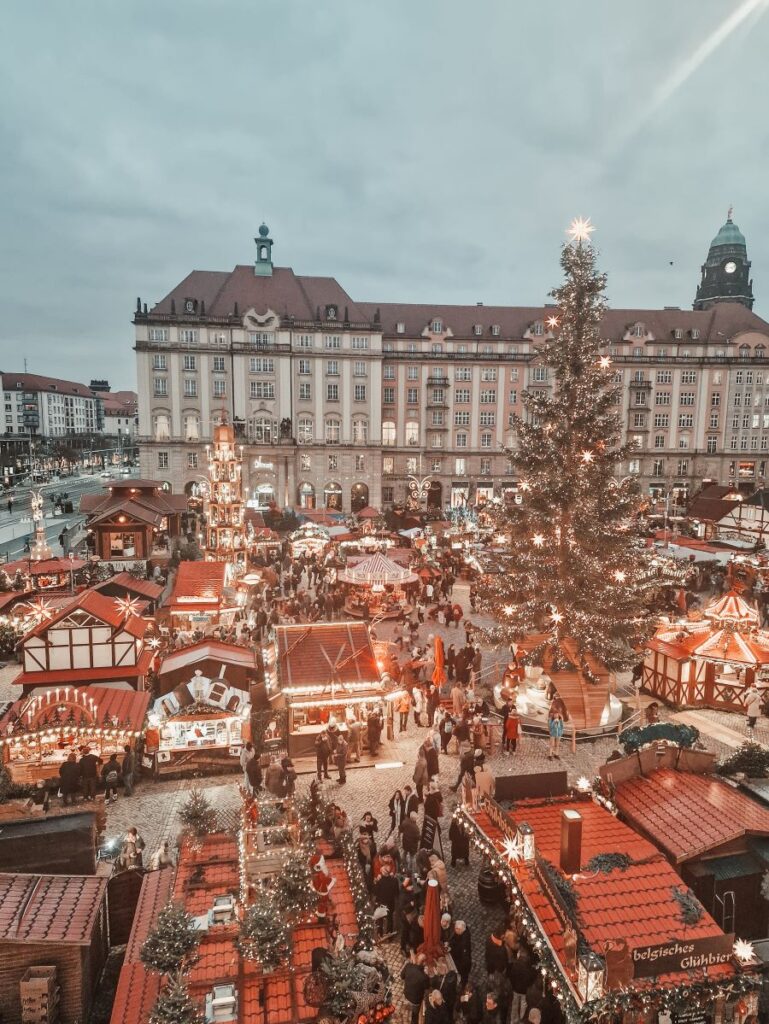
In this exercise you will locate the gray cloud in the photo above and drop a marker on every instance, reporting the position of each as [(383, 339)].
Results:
[(422, 152)]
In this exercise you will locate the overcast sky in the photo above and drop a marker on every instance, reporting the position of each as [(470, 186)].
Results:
[(417, 150)]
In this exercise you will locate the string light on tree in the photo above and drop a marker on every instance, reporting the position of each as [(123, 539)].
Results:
[(538, 540), (587, 456)]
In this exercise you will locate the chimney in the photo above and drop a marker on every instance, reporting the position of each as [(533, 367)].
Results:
[(571, 842)]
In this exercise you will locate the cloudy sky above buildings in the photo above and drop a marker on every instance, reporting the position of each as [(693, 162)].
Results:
[(429, 151)]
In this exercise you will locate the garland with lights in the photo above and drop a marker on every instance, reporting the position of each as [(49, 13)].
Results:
[(696, 994), (605, 863), (366, 939), (292, 888), (171, 942), (575, 568)]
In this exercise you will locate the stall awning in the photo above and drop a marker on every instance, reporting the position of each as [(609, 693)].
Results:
[(103, 707)]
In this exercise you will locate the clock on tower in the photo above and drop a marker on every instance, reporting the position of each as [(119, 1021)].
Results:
[(726, 271)]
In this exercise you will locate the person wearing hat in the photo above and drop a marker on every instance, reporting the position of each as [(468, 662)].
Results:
[(322, 883)]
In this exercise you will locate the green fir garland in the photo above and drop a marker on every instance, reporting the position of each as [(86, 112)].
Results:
[(690, 908), (607, 862)]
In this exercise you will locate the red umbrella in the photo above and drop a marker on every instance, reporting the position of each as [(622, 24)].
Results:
[(432, 947)]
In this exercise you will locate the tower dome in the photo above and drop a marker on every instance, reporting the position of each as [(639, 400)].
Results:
[(726, 271)]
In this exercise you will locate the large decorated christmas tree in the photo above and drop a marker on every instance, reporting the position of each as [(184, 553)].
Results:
[(576, 568)]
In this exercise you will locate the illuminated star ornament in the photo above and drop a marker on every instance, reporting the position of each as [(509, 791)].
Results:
[(556, 616), (552, 322), (41, 608), (509, 609), (605, 362), (511, 849), (127, 605), (580, 229), (619, 576), (743, 951), (587, 456), (538, 539)]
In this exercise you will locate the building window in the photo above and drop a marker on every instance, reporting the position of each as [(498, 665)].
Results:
[(658, 467), (387, 495), (332, 368), (513, 398), (388, 433), (539, 374), (683, 467), (191, 427), (412, 396), (162, 427), (412, 373), (485, 467), (219, 366), (305, 391), (159, 362), (664, 376), (495, 330), (264, 389), (261, 338), (412, 432), (388, 396), (304, 366), (463, 373), (333, 431), (360, 463), (485, 440), (360, 431), (436, 327), (333, 463), (162, 460), (158, 334), (711, 445), (220, 388), (639, 419), (305, 463), (359, 369), (190, 387), (388, 465), (462, 396), (689, 377), (714, 421), (683, 441), (304, 341), (192, 460), (188, 336), (461, 439), (160, 387), (359, 392), (686, 398), (332, 392), (435, 465), (437, 418), (659, 441), (489, 373), (461, 418), (359, 341), (460, 466), (488, 397), (260, 364), (488, 419), (400, 328), (539, 328), (388, 373), (305, 433), (662, 398), (190, 362), (686, 419)]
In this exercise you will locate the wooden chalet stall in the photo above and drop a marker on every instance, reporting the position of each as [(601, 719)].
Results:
[(200, 599), (322, 673), (126, 587), (48, 574), (377, 587), (215, 659), (201, 724), (39, 731), (53, 946), (708, 661), (91, 640), (133, 521), (617, 936)]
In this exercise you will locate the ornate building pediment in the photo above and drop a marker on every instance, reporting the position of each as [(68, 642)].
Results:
[(256, 321)]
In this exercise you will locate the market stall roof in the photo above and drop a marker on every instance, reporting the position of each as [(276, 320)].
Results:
[(635, 905), (377, 568), (50, 908), (687, 814), (129, 582), (368, 512), (132, 511), (100, 607), (704, 639), (333, 652), (110, 704), (46, 567), (198, 585), (732, 608), (216, 650)]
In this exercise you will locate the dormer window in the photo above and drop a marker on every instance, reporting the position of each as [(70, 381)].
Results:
[(400, 328), (495, 330), (437, 326), (223, 910), (222, 1003), (477, 330), (539, 328), (331, 312), (695, 333), (638, 331), (678, 334), (189, 305)]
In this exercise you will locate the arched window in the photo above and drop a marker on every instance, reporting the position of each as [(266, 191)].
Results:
[(759, 352), (191, 426), (333, 495), (261, 430), (360, 431), (412, 432), (388, 432), (162, 426), (744, 351), (305, 433), (333, 431)]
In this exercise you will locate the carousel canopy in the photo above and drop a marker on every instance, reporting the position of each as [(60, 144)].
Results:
[(377, 569), (732, 608), (707, 641)]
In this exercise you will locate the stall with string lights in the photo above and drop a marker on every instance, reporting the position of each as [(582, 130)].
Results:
[(39, 732), (616, 936)]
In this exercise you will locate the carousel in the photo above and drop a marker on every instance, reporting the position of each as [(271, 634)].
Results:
[(201, 724), (710, 658), (581, 693), (309, 539), (377, 587), (39, 732)]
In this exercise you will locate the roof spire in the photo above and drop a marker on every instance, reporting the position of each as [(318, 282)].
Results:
[(730, 212)]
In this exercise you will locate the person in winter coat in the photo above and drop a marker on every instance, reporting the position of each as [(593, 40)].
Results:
[(289, 775), (436, 1009), (404, 706), (421, 776), (254, 775), (354, 730), (418, 701), (431, 757), (446, 730), (521, 975), (433, 703), (373, 732), (322, 752), (495, 955), (460, 843), (466, 767), (274, 779), (451, 655), (512, 725), (433, 806), (460, 947), (469, 1005), (69, 774), (752, 701), (411, 801), (396, 807), (340, 756), (386, 892), (110, 773), (415, 984), (410, 836)]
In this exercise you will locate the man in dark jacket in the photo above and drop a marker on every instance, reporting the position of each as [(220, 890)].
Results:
[(254, 774), (495, 955), (89, 764), (340, 756), (69, 773), (460, 947), (410, 836), (466, 765), (322, 751), (411, 801), (431, 756), (521, 975), (415, 983), (386, 893), (129, 767)]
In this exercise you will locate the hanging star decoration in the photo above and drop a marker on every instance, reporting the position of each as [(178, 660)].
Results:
[(605, 362), (556, 616), (41, 608), (587, 456), (509, 609), (511, 848), (552, 322), (154, 642), (127, 605), (743, 951), (580, 229), (538, 539), (620, 576)]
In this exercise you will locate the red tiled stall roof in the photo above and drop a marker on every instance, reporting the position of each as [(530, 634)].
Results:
[(101, 607), (136, 994), (127, 707), (153, 896), (50, 908), (216, 650), (636, 905), (146, 588), (313, 655), (46, 567), (688, 814), (198, 583)]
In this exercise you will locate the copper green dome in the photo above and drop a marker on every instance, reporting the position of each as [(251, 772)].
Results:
[(729, 234), (264, 230)]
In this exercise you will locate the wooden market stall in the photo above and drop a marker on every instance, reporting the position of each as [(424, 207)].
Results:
[(201, 598), (214, 658), (38, 732), (326, 673), (378, 587), (310, 539), (201, 724), (709, 659)]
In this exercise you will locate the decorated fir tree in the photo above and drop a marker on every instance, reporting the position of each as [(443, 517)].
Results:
[(174, 1005), (576, 569), (171, 942), (264, 934), (197, 815), (293, 889)]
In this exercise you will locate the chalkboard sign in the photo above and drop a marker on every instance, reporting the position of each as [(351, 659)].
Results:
[(429, 831)]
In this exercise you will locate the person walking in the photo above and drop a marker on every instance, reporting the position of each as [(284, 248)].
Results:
[(555, 730), (752, 700), (128, 768), (110, 774), (322, 752), (511, 729), (69, 773), (341, 759), (466, 767), (421, 776), (404, 706), (89, 764)]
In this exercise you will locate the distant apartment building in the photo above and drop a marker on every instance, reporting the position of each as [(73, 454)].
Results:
[(341, 403), (121, 414), (40, 406)]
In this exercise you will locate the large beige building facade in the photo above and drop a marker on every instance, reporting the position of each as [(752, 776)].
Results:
[(341, 404)]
